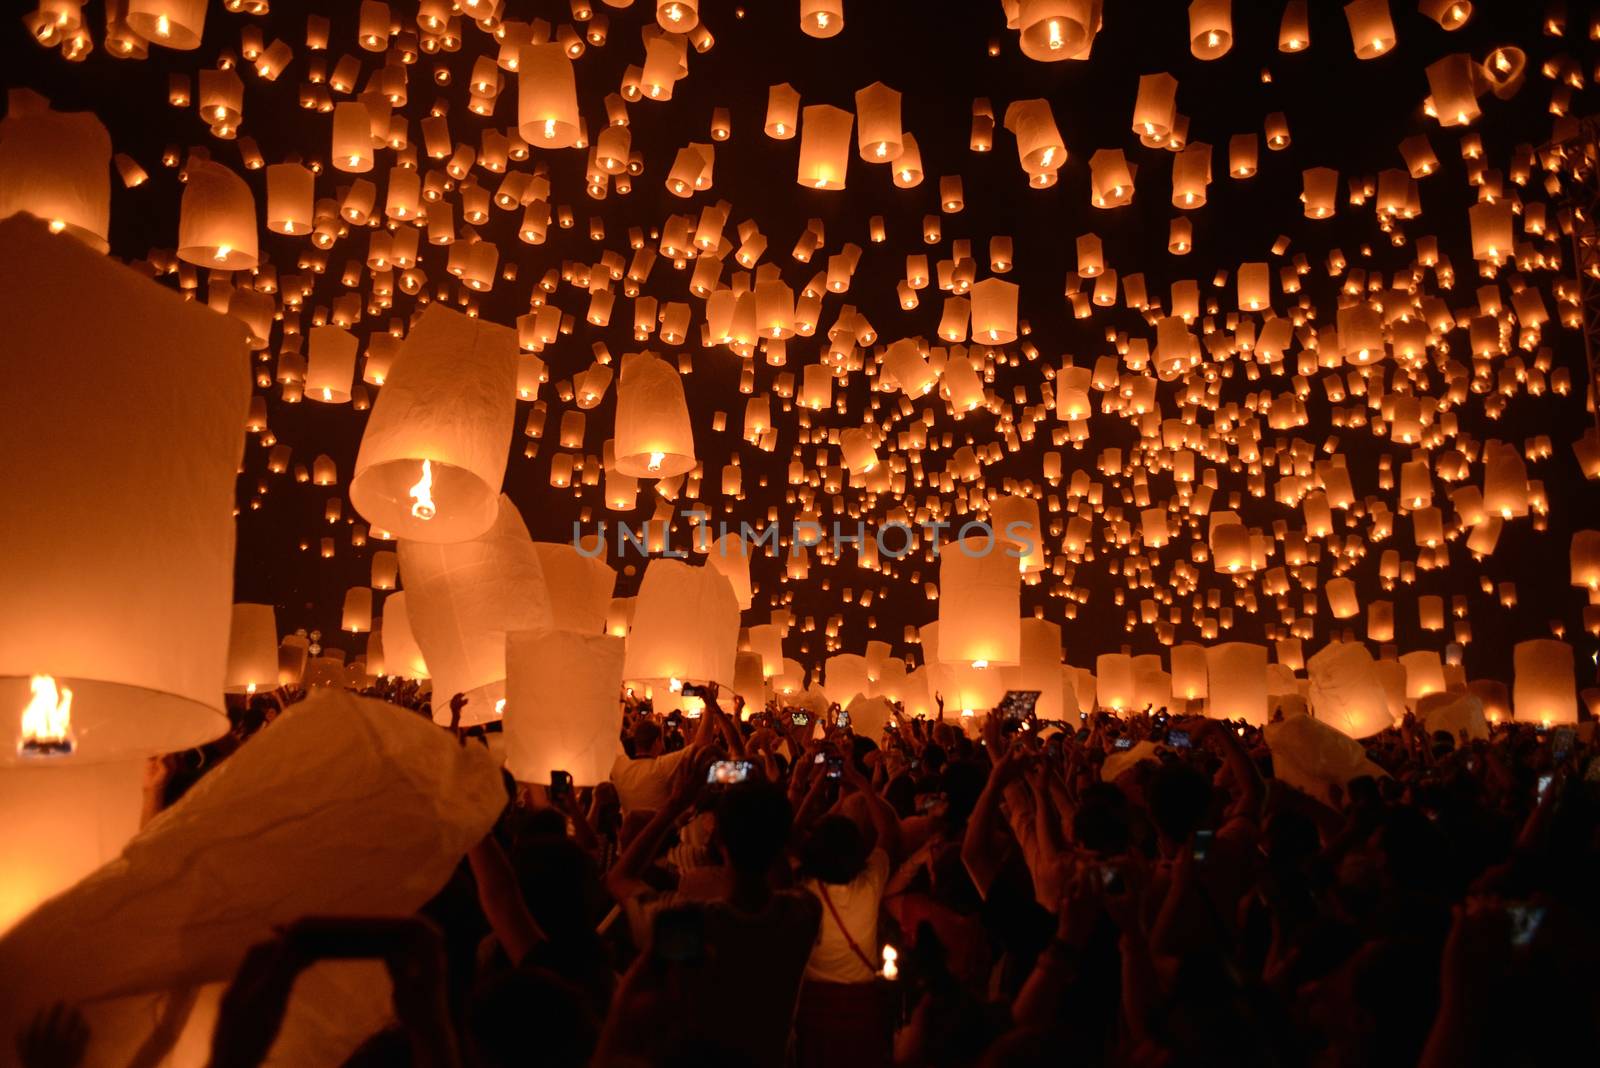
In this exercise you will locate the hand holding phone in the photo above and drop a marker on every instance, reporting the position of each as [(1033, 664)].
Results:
[(728, 772), (560, 787)]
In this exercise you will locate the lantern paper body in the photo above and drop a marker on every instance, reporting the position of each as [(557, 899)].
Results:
[(401, 654), (1543, 689), (1345, 690), (346, 806), (56, 166), (824, 146), (869, 716), (731, 556), (462, 600), (217, 220), (450, 399), (93, 354), (653, 434), (970, 690), (561, 704), (1040, 670), (845, 678), (1312, 756), (1453, 713), (547, 97), (176, 24), (1113, 673), (252, 649), (58, 823), (1236, 681), (685, 626), (980, 600)]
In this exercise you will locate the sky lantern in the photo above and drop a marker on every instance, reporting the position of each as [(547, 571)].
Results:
[(1236, 682), (1189, 680), (352, 150), (1155, 109), (1017, 528), (821, 18), (783, 112), (433, 454), (908, 168), (1054, 30), (878, 137), (290, 198), (55, 166), (402, 656), (1371, 28), (175, 24), (1584, 558), (1543, 682), (654, 438), (138, 637), (685, 627), (561, 704), (1210, 28), (994, 311), (1040, 148), (677, 16), (824, 146), (1114, 683), (252, 649), (217, 220), (357, 616), (1455, 96), (979, 604), (547, 97)]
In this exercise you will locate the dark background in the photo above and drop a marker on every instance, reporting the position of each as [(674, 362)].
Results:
[(1343, 113)]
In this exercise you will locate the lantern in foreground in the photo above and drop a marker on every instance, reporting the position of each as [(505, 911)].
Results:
[(821, 18), (401, 654), (55, 165), (1314, 758), (140, 635), (561, 704), (434, 451), (1236, 681), (252, 649), (654, 438), (824, 146), (547, 97), (1346, 692), (980, 600), (685, 626), (175, 24), (217, 220), (1054, 30), (1544, 683)]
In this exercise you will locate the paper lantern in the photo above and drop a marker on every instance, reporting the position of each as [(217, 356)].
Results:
[(352, 150), (1040, 148), (462, 598), (293, 655), (547, 97), (1543, 684), (1345, 690), (331, 370), (1313, 757), (824, 146), (783, 112), (654, 438), (247, 852), (1342, 600), (1053, 30), (54, 165), (402, 655), (821, 18), (966, 689), (860, 454), (878, 138), (1451, 80), (844, 679), (904, 363), (1015, 522), (677, 16), (1113, 676), (1455, 714), (217, 220), (1424, 674), (357, 616), (562, 711), (1210, 28), (252, 649), (1155, 108), (1188, 672), (175, 24), (685, 626), (980, 600), (731, 557), (870, 716), (994, 311), (766, 640), (1584, 558), (1371, 29), (1236, 681), (140, 635), (434, 450), (1040, 669)]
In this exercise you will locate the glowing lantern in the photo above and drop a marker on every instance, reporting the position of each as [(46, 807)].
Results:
[(1054, 30), (434, 450), (402, 655), (979, 604), (654, 438), (1114, 683), (685, 626), (1455, 99), (1492, 230), (783, 112), (1015, 521), (824, 146), (731, 557), (175, 24), (547, 97), (1315, 758), (860, 455), (1189, 680), (290, 198), (252, 649), (845, 678), (878, 138), (675, 16), (1155, 109), (1584, 557), (332, 368), (561, 704), (140, 635), (1371, 29), (1236, 681), (1040, 148), (821, 18), (352, 137), (1210, 28), (217, 220), (53, 165), (1040, 670), (357, 616), (1544, 682), (994, 311)]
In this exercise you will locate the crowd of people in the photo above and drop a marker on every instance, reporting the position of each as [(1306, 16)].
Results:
[(768, 888)]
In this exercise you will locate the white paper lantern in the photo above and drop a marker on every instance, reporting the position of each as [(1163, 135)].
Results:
[(980, 600), (731, 557), (1313, 757), (140, 634), (449, 402), (217, 220), (654, 438), (56, 166), (1040, 670), (685, 626), (1236, 681), (845, 677), (1113, 674), (1543, 689), (1346, 692), (562, 704), (401, 654), (252, 649)]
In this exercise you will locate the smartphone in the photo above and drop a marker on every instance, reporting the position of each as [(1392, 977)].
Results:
[(1178, 739), (560, 786), (835, 767), (1202, 844), (799, 719), (926, 802), (1083, 717), (679, 935), (1123, 742), (843, 720), (1544, 784), (1111, 879), (693, 689), (726, 772), (1525, 920), (1017, 705), (1561, 740)]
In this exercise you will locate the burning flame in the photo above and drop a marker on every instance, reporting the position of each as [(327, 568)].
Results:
[(980, 664), (891, 970), (163, 25), (655, 461), (47, 721), (422, 506)]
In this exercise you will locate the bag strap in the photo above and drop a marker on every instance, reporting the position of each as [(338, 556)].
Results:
[(822, 889)]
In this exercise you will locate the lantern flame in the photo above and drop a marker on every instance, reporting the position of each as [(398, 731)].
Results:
[(47, 721), (422, 506), (655, 461), (980, 664), (163, 25), (1055, 36), (891, 969)]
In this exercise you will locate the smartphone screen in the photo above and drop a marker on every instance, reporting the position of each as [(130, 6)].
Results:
[(1561, 740), (844, 719), (799, 719), (1202, 843), (1123, 742), (1111, 879), (727, 772), (560, 785), (1018, 705), (1544, 785), (692, 689), (1178, 739), (1525, 920), (835, 767)]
